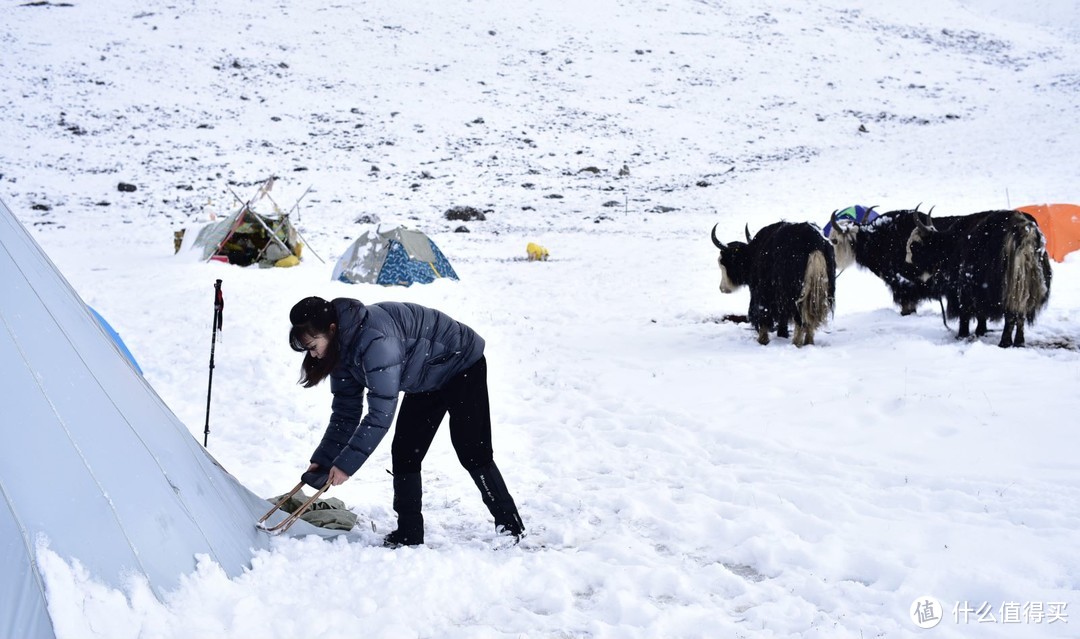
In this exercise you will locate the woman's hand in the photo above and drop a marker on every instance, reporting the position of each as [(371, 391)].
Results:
[(337, 476)]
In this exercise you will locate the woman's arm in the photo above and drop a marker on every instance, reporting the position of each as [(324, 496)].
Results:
[(383, 362), (346, 410)]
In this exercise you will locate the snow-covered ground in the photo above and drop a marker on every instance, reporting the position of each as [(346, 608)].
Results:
[(677, 479)]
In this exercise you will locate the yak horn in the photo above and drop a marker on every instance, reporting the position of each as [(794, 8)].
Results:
[(747, 230), (929, 228), (718, 243), (833, 221)]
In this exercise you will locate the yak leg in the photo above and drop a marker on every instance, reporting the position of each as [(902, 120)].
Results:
[(1007, 333), (1019, 339), (908, 308), (1012, 322), (980, 326), (800, 336), (782, 330), (763, 335), (963, 330)]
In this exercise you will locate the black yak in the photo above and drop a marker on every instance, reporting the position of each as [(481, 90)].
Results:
[(989, 265), (791, 271), (880, 246)]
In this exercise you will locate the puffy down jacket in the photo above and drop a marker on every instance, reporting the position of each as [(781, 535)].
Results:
[(387, 348)]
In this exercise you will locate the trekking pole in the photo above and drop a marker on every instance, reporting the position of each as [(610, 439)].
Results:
[(219, 305)]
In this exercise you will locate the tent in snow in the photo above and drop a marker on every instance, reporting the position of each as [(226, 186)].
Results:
[(1060, 223), (94, 466), (246, 237), (396, 257)]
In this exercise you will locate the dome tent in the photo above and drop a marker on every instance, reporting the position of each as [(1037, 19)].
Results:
[(131, 492), (394, 257)]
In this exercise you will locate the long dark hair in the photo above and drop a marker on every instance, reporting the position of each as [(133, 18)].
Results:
[(314, 317)]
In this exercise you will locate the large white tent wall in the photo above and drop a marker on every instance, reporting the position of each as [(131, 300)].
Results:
[(94, 464)]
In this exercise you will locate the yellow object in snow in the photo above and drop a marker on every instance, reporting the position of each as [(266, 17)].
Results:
[(290, 260), (536, 252)]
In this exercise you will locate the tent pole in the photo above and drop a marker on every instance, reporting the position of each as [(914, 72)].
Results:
[(258, 219), (273, 234), (308, 244), (296, 207)]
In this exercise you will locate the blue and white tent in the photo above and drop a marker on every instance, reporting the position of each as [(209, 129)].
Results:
[(395, 257)]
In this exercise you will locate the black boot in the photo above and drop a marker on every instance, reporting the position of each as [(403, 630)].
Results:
[(498, 500), (410, 526)]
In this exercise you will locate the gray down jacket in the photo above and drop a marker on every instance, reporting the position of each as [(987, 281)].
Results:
[(387, 348)]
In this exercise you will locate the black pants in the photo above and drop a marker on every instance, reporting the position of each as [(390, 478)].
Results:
[(465, 397)]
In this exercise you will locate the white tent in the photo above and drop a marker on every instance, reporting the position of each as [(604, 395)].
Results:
[(93, 463)]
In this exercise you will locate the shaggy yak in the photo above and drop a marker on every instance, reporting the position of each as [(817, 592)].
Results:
[(989, 265), (790, 269), (880, 246)]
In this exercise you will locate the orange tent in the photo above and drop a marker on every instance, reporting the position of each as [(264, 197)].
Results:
[(1060, 223)]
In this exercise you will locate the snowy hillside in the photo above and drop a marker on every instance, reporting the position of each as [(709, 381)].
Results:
[(676, 478)]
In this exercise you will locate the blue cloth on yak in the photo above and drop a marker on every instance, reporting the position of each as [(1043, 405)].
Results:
[(857, 214)]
